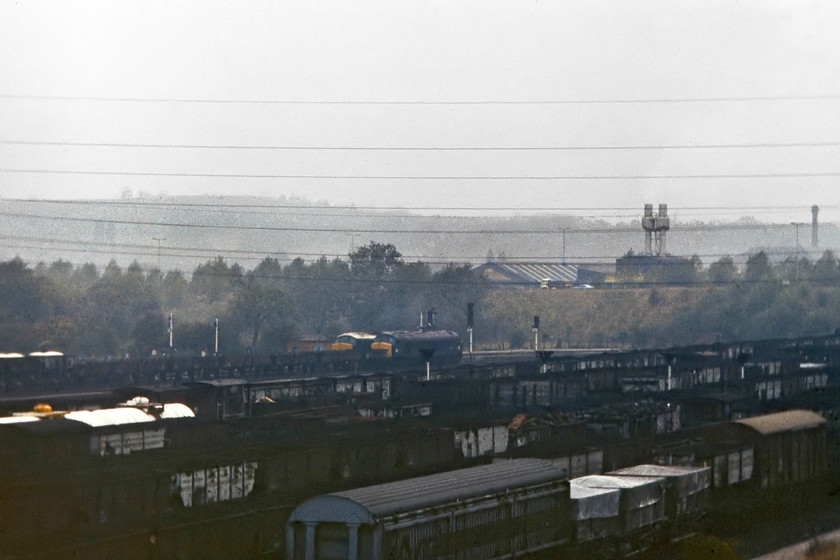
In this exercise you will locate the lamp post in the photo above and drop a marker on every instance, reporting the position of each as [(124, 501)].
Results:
[(216, 346), (796, 229), (158, 239), (564, 245)]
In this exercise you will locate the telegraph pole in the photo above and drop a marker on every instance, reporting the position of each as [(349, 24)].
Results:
[(470, 323), (158, 239), (563, 231), (536, 331), (216, 349), (796, 228)]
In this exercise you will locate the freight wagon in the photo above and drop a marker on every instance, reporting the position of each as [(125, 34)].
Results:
[(641, 507), (502, 510)]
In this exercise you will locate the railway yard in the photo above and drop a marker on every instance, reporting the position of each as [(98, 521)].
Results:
[(420, 280), (243, 465)]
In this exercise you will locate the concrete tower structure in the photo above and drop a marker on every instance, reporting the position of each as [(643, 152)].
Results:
[(655, 226)]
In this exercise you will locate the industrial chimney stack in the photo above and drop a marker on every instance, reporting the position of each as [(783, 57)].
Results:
[(815, 229)]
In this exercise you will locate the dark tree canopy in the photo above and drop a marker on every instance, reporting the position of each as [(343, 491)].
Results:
[(758, 268), (375, 259), (723, 270)]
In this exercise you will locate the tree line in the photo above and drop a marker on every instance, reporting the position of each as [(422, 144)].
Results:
[(115, 311)]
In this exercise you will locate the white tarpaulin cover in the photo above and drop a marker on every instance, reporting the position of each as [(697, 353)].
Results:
[(593, 503)]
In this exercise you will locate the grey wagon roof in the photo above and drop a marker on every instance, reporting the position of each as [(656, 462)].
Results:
[(365, 504)]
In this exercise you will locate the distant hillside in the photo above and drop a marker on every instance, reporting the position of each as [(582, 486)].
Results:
[(181, 232)]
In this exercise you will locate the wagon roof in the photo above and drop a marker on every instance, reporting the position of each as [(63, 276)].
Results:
[(659, 470), (361, 335), (787, 421), (579, 491), (610, 481), (83, 419), (405, 496), (421, 334), (129, 415)]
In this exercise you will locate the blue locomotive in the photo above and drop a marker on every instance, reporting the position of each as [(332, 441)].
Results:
[(438, 347)]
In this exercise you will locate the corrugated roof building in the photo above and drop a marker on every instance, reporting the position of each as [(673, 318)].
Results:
[(536, 275)]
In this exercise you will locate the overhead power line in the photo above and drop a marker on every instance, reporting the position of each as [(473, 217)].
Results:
[(420, 148), (268, 228), (357, 213), (585, 261), (428, 177), (224, 206), (141, 250), (339, 212), (614, 101), (552, 230)]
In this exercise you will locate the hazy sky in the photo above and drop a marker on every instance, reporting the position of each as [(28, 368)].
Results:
[(217, 97)]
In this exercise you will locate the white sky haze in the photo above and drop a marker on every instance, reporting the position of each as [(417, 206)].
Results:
[(559, 104)]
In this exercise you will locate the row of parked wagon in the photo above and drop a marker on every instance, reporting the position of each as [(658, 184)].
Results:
[(501, 510)]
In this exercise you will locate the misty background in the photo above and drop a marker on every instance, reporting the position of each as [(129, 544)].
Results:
[(466, 109), (183, 232)]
